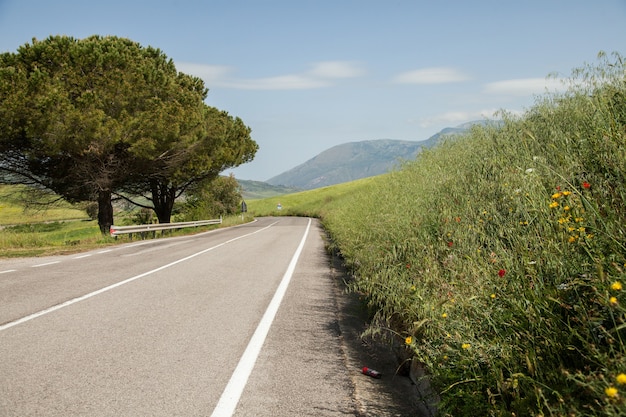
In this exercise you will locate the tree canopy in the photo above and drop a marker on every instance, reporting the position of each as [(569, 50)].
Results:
[(95, 117)]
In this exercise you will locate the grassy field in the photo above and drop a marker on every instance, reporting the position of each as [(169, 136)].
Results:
[(38, 230), (498, 259)]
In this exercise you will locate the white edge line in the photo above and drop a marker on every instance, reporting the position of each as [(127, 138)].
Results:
[(7, 271), (238, 380), (46, 264), (119, 284)]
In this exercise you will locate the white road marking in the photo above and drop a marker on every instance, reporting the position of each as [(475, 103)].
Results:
[(7, 271), (119, 284), (238, 380), (46, 264), (82, 256)]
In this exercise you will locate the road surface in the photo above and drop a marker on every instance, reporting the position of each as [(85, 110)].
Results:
[(243, 321)]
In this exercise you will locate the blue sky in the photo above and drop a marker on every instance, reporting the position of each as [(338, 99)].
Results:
[(307, 75)]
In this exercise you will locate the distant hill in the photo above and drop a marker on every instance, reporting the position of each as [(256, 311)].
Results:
[(257, 189), (355, 160)]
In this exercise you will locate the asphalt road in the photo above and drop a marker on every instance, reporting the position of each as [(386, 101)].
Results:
[(243, 321)]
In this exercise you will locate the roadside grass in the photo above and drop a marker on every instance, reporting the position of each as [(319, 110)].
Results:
[(14, 210), (498, 259)]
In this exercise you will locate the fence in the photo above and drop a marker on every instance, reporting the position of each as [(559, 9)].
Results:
[(143, 228)]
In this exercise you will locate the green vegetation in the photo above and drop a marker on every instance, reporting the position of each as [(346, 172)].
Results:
[(498, 259)]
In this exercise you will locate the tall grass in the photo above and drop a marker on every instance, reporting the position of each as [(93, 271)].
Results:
[(498, 259)]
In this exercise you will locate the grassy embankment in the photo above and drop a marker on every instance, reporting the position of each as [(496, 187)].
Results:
[(498, 259)]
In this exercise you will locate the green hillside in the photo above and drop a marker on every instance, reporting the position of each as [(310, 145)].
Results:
[(498, 260), (349, 162)]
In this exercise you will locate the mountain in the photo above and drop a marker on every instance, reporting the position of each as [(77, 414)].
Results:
[(355, 160)]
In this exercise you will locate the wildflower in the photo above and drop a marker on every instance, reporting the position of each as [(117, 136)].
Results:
[(501, 273), (616, 286), (613, 301), (466, 346), (444, 315), (586, 185), (492, 296), (621, 379), (554, 204), (408, 266), (578, 219), (572, 239), (581, 229), (450, 244), (408, 340), (556, 195), (413, 288), (611, 392), (567, 208), (529, 170), (566, 193)]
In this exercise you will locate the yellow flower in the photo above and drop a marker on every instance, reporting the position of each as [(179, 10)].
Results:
[(492, 296), (466, 346), (621, 379), (444, 315), (611, 392), (566, 208), (616, 286), (554, 204), (408, 340), (613, 300), (556, 195), (566, 193), (572, 239)]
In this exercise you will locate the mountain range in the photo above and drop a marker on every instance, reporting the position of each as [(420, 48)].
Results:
[(354, 160)]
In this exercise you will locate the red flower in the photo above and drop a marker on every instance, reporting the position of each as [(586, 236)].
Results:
[(450, 244), (586, 185), (501, 273)]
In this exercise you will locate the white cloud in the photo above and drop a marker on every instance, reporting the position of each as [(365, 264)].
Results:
[(335, 69), (525, 86), (320, 75), (435, 75)]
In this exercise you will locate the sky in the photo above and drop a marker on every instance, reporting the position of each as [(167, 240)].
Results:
[(307, 75)]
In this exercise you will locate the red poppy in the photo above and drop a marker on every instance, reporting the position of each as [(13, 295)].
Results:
[(586, 185), (501, 273), (450, 244)]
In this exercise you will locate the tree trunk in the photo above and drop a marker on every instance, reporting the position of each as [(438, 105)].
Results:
[(163, 200), (105, 211)]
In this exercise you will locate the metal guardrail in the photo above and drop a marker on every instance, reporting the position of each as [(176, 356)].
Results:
[(142, 228)]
